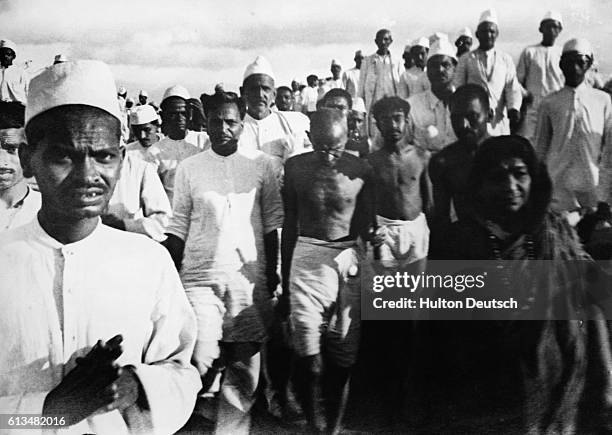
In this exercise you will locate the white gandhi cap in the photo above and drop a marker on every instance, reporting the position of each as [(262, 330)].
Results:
[(553, 15), (143, 115), (259, 66), (579, 45), (443, 47), (176, 91), (87, 82), (422, 41), (488, 16), (466, 31), (7, 43)]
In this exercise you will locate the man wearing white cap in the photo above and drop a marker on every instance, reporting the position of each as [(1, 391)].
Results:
[(13, 81), (143, 96), (139, 203), (333, 82), (359, 143), (19, 203), (494, 70), (464, 41), (350, 78), (430, 123), (414, 80), (70, 282), (574, 136), (538, 71), (179, 142), (264, 129)]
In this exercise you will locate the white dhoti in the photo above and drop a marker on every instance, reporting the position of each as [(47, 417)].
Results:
[(406, 242), (325, 298)]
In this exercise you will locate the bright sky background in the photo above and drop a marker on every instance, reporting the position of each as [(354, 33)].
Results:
[(154, 44)]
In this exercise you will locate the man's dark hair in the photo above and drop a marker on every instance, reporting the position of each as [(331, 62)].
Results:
[(283, 88), (338, 92), (221, 98), (49, 122), (381, 32), (468, 92), (390, 104), (311, 78)]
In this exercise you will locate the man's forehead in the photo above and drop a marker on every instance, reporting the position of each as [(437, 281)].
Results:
[(259, 80)]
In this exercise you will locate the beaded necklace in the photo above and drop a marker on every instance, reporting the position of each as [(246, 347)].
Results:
[(494, 243)]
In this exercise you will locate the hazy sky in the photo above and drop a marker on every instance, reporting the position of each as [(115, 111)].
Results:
[(154, 44)]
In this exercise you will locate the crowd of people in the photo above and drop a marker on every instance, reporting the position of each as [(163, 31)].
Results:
[(165, 266)]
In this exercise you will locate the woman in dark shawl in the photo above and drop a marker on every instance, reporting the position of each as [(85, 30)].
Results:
[(539, 376)]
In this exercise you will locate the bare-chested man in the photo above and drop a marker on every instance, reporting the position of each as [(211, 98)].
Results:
[(328, 205), (402, 189)]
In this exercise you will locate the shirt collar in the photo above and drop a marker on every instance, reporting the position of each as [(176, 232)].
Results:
[(216, 156), (43, 237), (249, 118)]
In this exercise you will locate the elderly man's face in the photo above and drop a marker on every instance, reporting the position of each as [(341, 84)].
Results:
[(259, 93), (440, 70), (383, 41), (419, 55), (284, 100), (7, 56), (487, 34), (10, 168), (146, 134), (76, 163), (174, 116)]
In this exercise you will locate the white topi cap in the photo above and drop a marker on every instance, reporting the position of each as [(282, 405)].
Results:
[(359, 105), (443, 47), (7, 43), (143, 115), (87, 82), (488, 16), (466, 31), (259, 66), (579, 45), (422, 41), (553, 15), (59, 58), (436, 37), (143, 93), (176, 91)]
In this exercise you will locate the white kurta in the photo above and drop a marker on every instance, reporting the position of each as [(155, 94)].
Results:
[(350, 78), (309, 99), (22, 212), (430, 122), (493, 70), (539, 72), (277, 135), (574, 138), (413, 81), (13, 84), (58, 300), (166, 155), (139, 198), (222, 209)]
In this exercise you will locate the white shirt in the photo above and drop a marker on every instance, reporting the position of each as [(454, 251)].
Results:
[(574, 138), (430, 122), (378, 78), (223, 207), (539, 72), (58, 300), (167, 154), (139, 198), (329, 85), (309, 99), (493, 70), (22, 212), (13, 84), (277, 135), (350, 79), (413, 81)]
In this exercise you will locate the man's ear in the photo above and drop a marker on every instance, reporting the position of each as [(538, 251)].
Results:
[(25, 158)]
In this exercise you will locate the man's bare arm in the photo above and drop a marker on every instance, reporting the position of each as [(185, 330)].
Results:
[(289, 236)]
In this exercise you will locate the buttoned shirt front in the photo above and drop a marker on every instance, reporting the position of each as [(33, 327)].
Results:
[(223, 208), (413, 81), (22, 212), (60, 299), (13, 84), (539, 72), (574, 138), (493, 70), (430, 122), (139, 199)]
